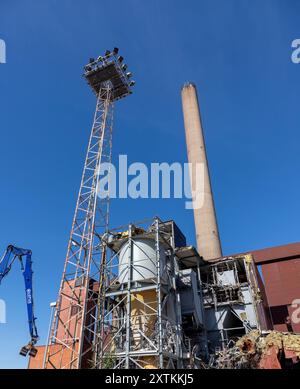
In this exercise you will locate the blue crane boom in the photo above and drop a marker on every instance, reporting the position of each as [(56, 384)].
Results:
[(6, 263)]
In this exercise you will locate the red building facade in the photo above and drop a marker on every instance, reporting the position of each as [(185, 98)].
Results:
[(279, 268)]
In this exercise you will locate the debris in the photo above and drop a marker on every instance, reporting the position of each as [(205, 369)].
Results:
[(261, 350)]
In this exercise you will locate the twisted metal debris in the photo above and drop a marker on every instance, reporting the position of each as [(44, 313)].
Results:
[(261, 350)]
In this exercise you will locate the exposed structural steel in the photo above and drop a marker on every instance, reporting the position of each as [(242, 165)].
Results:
[(141, 324), (73, 338), (232, 300), (6, 263), (207, 234)]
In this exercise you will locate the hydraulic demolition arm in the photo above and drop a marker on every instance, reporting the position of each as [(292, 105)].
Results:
[(6, 263)]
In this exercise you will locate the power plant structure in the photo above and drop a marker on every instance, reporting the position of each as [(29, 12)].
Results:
[(154, 312), (139, 296)]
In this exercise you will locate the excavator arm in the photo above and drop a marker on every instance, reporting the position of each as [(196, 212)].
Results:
[(11, 254)]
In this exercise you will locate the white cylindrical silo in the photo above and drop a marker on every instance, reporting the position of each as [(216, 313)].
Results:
[(144, 263)]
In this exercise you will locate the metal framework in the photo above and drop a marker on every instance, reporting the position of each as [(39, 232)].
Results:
[(230, 290), (141, 325), (74, 331)]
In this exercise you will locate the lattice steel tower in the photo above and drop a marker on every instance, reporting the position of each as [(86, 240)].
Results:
[(75, 329)]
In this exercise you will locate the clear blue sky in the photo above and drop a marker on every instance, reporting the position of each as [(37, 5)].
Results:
[(237, 52)]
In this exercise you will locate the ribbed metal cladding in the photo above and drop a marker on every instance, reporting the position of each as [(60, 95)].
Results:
[(207, 234)]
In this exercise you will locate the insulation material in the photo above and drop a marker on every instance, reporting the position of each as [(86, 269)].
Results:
[(257, 350)]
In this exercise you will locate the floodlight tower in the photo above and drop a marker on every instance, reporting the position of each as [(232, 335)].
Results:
[(75, 326)]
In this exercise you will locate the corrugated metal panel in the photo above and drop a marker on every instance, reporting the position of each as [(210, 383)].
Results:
[(282, 281), (282, 286), (275, 253)]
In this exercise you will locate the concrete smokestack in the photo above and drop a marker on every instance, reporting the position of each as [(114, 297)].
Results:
[(207, 234)]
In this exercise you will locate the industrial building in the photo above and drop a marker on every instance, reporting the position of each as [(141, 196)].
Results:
[(139, 296)]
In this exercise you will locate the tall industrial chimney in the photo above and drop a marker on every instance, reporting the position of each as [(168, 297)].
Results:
[(207, 234)]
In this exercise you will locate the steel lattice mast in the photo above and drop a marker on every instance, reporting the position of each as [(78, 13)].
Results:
[(74, 337)]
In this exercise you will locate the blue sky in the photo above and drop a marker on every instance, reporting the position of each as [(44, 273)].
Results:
[(237, 52)]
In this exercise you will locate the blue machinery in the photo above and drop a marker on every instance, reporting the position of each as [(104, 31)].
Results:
[(6, 263)]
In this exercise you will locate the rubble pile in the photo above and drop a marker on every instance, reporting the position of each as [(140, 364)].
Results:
[(261, 350)]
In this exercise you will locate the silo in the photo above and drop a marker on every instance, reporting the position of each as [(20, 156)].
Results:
[(142, 314), (143, 260), (141, 253)]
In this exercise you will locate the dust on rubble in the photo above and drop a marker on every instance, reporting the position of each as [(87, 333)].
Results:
[(261, 350)]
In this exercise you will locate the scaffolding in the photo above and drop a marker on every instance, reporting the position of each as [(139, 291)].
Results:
[(141, 324)]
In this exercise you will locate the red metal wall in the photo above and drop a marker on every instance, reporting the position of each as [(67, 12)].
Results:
[(280, 268)]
